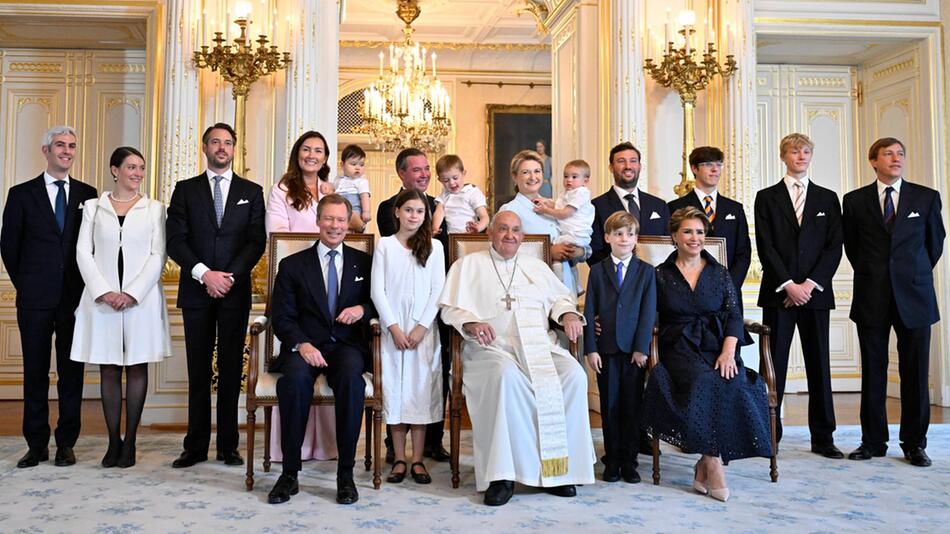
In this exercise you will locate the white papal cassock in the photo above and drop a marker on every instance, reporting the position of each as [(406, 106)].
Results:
[(504, 383)]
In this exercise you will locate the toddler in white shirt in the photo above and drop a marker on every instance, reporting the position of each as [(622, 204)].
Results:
[(353, 187), (462, 206)]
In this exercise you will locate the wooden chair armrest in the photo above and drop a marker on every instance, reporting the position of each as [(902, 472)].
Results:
[(258, 327), (654, 349), (766, 367)]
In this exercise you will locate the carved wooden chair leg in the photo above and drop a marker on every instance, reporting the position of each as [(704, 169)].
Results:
[(368, 462), (656, 461), (773, 461), (377, 445), (251, 421), (268, 411), (455, 429)]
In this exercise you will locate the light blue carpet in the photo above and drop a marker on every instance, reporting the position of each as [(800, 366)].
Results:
[(813, 495)]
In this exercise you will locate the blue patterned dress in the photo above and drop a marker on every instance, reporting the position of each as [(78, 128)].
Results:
[(687, 403)]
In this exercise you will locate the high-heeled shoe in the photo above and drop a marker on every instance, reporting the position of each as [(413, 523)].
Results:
[(127, 458), (720, 494), (700, 487), (111, 458)]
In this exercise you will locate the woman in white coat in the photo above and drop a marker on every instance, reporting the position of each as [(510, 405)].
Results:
[(122, 322)]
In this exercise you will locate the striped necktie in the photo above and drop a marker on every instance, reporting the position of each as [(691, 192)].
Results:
[(710, 212), (889, 211), (799, 201)]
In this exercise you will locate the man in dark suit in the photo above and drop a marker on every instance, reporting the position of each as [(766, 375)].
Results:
[(726, 216), (651, 212), (893, 235), (798, 237), (215, 232), (412, 166), (321, 306), (38, 244)]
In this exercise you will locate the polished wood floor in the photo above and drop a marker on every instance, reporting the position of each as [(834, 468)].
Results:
[(796, 413)]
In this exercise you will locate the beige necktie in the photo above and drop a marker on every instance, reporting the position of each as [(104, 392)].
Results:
[(799, 201)]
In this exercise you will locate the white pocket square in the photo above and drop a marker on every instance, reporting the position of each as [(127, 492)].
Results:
[(80, 206), (358, 279), (820, 214), (730, 217), (913, 214), (655, 215), (243, 201)]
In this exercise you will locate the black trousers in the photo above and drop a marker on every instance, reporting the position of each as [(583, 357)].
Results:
[(813, 331), (913, 357), (295, 391), (206, 328), (621, 396), (36, 332)]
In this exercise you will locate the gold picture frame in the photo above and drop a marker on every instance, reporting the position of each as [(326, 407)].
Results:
[(511, 128)]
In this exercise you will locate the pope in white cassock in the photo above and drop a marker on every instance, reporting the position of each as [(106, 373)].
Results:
[(526, 395)]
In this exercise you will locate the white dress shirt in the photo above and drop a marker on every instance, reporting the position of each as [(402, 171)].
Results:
[(621, 192), (625, 262), (200, 269), (895, 196), (52, 189), (702, 197), (790, 186)]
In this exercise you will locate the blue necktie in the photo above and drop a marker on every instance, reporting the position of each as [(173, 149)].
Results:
[(218, 199), (888, 208), (632, 206), (60, 210), (332, 283), (619, 274)]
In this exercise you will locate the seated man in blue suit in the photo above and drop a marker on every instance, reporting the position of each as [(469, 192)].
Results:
[(893, 236), (321, 306), (621, 297), (650, 211), (726, 217)]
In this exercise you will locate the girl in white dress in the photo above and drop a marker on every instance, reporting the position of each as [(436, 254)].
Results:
[(121, 321), (408, 274)]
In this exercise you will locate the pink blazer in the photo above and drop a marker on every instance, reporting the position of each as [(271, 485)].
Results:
[(282, 217)]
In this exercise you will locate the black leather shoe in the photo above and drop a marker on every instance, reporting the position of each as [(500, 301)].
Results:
[(499, 492), (866, 452), (918, 456), (33, 457), (437, 453), (346, 490), (563, 491), (611, 473), (188, 459), (828, 451), (230, 458), (112, 454), (630, 474), (394, 477), (64, 456), (127, 458), (285, 487), (421, 477)]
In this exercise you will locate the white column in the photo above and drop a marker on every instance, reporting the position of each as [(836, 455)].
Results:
[(313, 77), (179, 130), (740, 115), (628, 82)]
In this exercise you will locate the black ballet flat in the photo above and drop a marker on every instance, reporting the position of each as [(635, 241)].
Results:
[(420, 478), (111, 459), (394, 477), (127, 459)]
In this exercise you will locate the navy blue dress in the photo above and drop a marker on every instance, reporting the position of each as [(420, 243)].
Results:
[(687, 403)]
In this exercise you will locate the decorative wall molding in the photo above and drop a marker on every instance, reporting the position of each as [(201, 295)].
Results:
[(36, 67), (118, 101), (894, 69), (44, 101), (122, 68), (816, 81), (505, 47)]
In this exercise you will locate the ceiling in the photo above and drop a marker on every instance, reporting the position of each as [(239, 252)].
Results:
[(18, 31), (831, 50), (456, 21)]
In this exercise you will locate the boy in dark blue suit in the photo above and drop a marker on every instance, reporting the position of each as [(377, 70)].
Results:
[(621, 297)]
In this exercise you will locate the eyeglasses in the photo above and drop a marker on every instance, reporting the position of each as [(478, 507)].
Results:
[(717, 164)]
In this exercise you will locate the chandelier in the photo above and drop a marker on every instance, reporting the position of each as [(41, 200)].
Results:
[(407, 107)]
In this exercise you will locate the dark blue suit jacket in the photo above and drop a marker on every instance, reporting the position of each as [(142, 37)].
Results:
[(298, 305), (899, 263), (730, 223), (41, 259), (627, 313), (788, 251), (193, 236), (654, 218)]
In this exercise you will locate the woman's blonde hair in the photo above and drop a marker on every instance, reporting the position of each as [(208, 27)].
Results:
[(685, 214), (525, 155)]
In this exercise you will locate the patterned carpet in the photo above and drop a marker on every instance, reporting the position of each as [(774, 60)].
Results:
[(813, 495)]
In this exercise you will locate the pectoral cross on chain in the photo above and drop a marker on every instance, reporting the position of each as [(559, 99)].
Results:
[(508, 299)]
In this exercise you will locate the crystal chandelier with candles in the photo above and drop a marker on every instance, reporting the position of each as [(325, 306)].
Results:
[(407, 106)]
